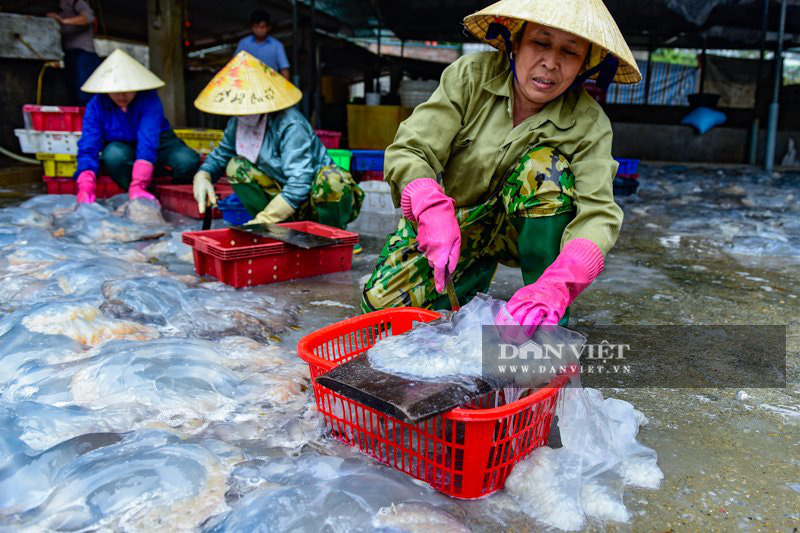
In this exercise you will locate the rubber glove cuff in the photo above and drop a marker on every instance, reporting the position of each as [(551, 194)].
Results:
[(546, 300), (141, 176), (86, 187)]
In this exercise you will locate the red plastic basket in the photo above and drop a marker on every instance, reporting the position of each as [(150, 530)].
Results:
[(467, 452), (330, 139), (54, 117), (242, 260), (105, 186), (180, 198)]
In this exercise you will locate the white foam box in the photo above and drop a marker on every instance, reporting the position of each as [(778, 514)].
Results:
[(48, 142)]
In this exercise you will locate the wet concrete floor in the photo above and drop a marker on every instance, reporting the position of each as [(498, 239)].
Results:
[(729, 463), (731, 458)]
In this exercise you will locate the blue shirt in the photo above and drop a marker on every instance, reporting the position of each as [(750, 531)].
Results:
[(291, 154), (105, 122), (269, 51)]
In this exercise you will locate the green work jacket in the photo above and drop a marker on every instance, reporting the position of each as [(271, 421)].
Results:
[(465, 134)]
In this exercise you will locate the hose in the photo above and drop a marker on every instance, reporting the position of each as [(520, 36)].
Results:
[(41, 78), (19, 158)]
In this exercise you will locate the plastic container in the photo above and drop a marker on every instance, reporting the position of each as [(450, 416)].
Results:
[(625, 186), (627, 166), (367, 160), (53, 117), (58, 165), (233, 211), (372, 175), (201, 140), (105, 186), (180, 198), (415, 92), (48, 142), (242, 260), (467, 452), (329, 138), (342, 158)]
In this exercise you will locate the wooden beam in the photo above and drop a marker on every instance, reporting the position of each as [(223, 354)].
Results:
[(164, 35)]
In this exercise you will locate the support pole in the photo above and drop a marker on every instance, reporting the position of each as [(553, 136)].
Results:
[(774, 107), (164, 31), (295, 47), (703, 69), (648, 74), (755, 127), (314, 100)]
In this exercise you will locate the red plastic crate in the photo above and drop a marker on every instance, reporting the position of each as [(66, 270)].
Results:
[(241, 260), (372, 175), (180, 198), (467, 452), (54, 117), (105, 186), (329, 138)]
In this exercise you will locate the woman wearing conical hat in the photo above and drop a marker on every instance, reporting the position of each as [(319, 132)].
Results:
[(275, 163), (509, 162), (125, 128)]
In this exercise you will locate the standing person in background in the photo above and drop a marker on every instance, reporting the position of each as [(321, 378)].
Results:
[(263, 47), (77, 38)]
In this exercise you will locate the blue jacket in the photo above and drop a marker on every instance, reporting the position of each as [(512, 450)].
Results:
[(291, 154), (105, 122)]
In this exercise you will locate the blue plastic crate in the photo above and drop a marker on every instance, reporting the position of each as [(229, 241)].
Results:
[(364, 160), (233, 212), (627, 167)]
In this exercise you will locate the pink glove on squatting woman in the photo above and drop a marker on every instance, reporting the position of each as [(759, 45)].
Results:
[(438, 235), (140, 178), (545, 300), (86, 186)]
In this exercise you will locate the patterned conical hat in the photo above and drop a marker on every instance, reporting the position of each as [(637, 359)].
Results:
[(246, 86), (589, 19), (120, 73)]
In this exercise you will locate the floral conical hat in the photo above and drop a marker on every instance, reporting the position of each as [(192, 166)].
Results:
[(246, 86), (120, 73), (589, 19)]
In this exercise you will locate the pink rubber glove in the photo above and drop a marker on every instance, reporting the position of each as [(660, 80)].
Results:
[(546, 300), (438, 234), (140, 178), (86, 187)]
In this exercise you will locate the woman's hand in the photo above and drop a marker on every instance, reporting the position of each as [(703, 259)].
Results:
[(86, 187), (438, 234), (203, 190), (277, 210), (546, 300)]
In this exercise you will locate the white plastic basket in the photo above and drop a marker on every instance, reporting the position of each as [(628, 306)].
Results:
[(48, 142)]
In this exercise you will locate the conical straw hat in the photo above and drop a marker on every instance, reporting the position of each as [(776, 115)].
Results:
[(589, 19), (246, 86), (121, 73)]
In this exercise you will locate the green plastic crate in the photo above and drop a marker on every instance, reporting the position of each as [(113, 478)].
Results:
[(341, 157)]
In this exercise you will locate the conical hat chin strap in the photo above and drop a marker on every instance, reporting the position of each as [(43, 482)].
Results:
[(496, 30), (607, 69)]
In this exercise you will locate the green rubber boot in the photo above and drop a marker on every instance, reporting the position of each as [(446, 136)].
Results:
[(336, 214), (253, 197), (539, 244), (473, 280)]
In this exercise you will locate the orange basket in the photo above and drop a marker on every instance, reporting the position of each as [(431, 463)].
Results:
[(467, 452)]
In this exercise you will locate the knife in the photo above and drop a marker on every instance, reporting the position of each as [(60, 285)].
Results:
[(291, 236)]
